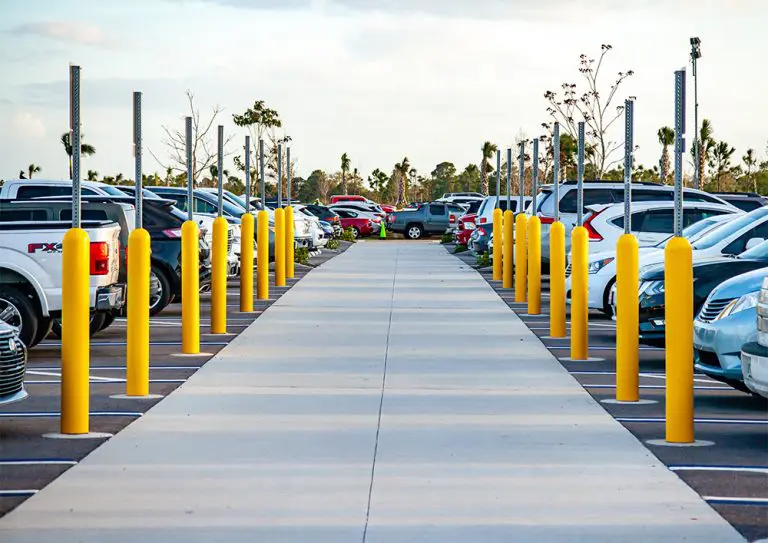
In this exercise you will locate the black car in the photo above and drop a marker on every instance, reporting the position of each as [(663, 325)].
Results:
[(746, 201), (326, 214), (707, 274)]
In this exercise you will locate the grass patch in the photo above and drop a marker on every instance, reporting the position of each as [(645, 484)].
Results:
[(447, 238), (483, 260), (301, 255), (460, 249)]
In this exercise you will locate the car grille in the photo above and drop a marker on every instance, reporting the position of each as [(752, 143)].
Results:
[(12, 367), (712, 308), (568, 270), (230, 239)]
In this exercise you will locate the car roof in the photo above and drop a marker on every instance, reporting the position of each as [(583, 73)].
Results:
[(642, 206)]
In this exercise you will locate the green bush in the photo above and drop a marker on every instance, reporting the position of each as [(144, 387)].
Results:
[(447, 238), (483, 260), (349, 234), (333, 244), (460, 248), (301, 255)]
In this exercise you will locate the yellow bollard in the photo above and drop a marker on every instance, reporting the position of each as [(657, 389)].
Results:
[(678, 301), (627, 320), (534, 265), (137, 364), (246, 263), (521, 256), (190, 288), (279, 247), (579, 294), (262, 262), (508, 239), (219, 277), (289, 242), (75, 332), (497, 235), (557, 280)]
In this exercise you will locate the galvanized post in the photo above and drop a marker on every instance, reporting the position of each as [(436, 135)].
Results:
[(628, 147), (535, 175), (498, 178), (556, 170), (74, 140), (580, 176), (248, 174), (521, 167), (509, 177), (190, 169), (262, 181), (137, 157), (279, 175), (288, 175), (220, 165), (679, 148)]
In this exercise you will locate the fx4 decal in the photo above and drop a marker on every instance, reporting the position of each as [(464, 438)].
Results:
[(47, 248)]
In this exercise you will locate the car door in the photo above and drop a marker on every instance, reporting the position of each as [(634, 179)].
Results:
[(657, 225), (739, 245), (436, 220)]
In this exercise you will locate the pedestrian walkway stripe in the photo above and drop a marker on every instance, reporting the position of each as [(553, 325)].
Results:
[(43, 414), (16, 493), (699, 421), (725, 500), (745, 469), (37, 462)]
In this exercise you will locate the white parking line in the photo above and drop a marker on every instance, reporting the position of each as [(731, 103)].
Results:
[(743, 469), (657, 387), (110, 382), (42, 462), (123, 343), (698, 421), (43, 414), (725, 500), (91, 377), (595, 347), (119, 368)]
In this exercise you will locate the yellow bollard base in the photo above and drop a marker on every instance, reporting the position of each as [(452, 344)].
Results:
[(588, 359), (130, 397), (89, 435), (191, 355), (613, 401), (665, 443)]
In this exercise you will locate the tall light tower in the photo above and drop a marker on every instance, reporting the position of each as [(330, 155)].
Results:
[(695, 55)]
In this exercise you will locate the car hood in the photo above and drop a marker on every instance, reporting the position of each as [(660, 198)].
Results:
[(706, 267), (738, 286), (648, 255)]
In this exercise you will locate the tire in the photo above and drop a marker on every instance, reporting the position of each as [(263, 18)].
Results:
[(17, 309), (109, 318), (42, 331), (163, 297), (607, 309), (414, 231), (356, 232), (96, 325)]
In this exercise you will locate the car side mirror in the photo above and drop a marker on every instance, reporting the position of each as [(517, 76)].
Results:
[(753, 242)]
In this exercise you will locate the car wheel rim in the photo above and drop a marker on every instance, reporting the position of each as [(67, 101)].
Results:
[(10, 314), (413, 232), (154, 300)]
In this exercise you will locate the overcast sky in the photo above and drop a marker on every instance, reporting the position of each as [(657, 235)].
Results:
[(378, 79)]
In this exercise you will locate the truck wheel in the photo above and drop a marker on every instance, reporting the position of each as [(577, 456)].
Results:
[(18, 310), (43, 329), (109, 318), (96, 325), (414, 231), (163, 297)]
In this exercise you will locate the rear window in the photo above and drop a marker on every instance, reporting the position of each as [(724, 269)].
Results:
[(746, 205), (85, 214), (38, 191), (25, 215), (436, 209), (591, 197)]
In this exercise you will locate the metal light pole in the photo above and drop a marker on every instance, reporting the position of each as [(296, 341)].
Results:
[(678, 299), (220, 166), (190, 262), (248, 173), (521, 177), (279, 175), (628, 159), (695, 55), (534, 240)]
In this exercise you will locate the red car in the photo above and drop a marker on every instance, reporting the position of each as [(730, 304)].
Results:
[(359, 225), (336, 198), (466, 225)]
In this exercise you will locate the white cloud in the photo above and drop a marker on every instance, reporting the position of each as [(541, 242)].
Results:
[(27, 125), (66, 31)]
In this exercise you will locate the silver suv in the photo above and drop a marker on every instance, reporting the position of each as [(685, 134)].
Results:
[(602, 192)]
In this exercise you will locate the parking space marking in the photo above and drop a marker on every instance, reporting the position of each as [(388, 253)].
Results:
[(54, 368), (595, 347), (745, 469), (658, 387), (17, 493), (757, 422), (40, 462), (92, 378), (725, 500), (151, 343), (43, 414), (110, 382)]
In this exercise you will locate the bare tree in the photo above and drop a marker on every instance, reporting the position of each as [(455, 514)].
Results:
[(204, 149), (258, 119), (594, 108)]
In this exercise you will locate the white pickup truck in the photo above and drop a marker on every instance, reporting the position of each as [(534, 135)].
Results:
[(31, 273)]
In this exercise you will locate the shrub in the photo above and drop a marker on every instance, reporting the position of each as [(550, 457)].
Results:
[(483, 260), (301, 255), (333, 244), (349, 234), (447, 238), (460, 248)]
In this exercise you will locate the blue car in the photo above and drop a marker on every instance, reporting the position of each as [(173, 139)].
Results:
[(725, 323)]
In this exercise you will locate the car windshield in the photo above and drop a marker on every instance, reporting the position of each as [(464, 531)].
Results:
[(758, 252), (719, 234), (235, 199), (112, 191), (697, 230)]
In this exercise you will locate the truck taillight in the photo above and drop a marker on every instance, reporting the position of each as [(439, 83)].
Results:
[(482, 220), (99, 258), (452, 218)]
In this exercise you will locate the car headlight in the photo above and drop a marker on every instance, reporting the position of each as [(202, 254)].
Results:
[(748, 301), (651, 288), (597, 265)]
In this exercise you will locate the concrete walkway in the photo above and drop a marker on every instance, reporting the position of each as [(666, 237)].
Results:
[(390, 396)]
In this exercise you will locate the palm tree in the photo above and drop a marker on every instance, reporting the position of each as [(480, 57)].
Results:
[(488, 150), (666, 137), (720, 160), (85, 149), (33, 169), (401, 173), (93, 175), (22, 175), (168, 176), (344, 170), (750, 161), (707, 142)]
